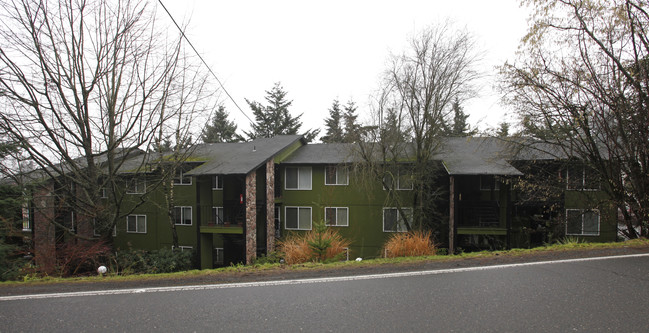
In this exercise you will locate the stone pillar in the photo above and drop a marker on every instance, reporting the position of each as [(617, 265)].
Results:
[(251, 216), (451, 214), (44, 230), (270, 206)]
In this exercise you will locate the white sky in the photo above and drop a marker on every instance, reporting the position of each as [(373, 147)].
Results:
[(323, 50)]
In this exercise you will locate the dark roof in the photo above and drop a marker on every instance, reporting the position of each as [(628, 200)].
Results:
[(239, 158), (477, 156), (322, 153)]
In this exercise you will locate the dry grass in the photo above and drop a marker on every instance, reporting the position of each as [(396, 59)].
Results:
[(410, 244), (296, 247)]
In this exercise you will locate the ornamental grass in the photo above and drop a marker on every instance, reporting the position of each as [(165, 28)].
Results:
[(409, 244)]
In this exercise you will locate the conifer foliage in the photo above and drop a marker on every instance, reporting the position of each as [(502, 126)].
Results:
[(221, 129), (275, 118)]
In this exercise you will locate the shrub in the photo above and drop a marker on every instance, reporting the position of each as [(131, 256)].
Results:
[(320, 244), (409, 244), (157, 261), (78, 257)]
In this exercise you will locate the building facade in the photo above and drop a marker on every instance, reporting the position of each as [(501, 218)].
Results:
[(234, 201)]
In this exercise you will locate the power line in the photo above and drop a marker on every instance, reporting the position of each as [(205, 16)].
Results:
[(204, 63)]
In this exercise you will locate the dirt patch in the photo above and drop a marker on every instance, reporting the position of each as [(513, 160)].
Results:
[(288, 273)]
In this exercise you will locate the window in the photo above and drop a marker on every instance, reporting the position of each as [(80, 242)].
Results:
[(217, 183), (104, 193), (298, 178), (181, 179), (217, 215), (581, 177), (27, 223), (399, 180), (183, 248), (97, 232), (135, 186), (393, 221), (336, 175), (278, 224), (582, 222), (337, 216), (217, 256), (136, 224), (298, 218), (488, 183), (183, 215)]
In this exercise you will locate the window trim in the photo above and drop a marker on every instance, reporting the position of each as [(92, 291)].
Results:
[(183, 247), (336, 214), (137, 188), (583, 184), (298, 178), (298, 216), (191, 216), (26, 217), (136, 231), (178, 179), (94, 229), (398, 215), (582, 214), (222, 251), (217, 188), (215, 209), (336, 167), (397, 180)]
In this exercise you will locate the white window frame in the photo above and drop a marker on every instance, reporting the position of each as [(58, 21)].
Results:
[(178, 179), (104, 193), (336, 172), (581, 214), (298, 188), (404, 229), (139, 188), (336, 214), (182, 215), (397, 180), (215, 213), (94, 229), (215, 183), (27, 222), (278, 222), (583, 185), (136, 216), (219, 250), (183, 247), (298, 216)]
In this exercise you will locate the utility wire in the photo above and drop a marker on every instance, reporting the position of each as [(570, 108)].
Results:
[(204, 63)]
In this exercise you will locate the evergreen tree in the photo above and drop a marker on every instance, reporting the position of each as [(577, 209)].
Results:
[(221, 129), (275, 118), (335, 131), (460, 125), (503, 129), (392, 128), (352, 128)]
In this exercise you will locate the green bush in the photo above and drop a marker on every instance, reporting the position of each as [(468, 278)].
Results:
[(157, 261)]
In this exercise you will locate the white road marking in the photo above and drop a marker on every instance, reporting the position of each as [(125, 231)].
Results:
[(303, 281)]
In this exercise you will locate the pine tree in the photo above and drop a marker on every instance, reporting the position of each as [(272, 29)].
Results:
[(221, 129), (391, 128), (352, 128), (335, 131), (275, 118), (503, 129), (460, 125)]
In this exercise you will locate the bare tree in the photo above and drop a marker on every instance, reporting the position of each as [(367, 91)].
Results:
[(410, 109), (90, 88), (582, 85)]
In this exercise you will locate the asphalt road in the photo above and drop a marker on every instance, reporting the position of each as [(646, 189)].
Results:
[(579, 296)]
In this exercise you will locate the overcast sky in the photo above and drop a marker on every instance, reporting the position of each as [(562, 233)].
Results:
[(326, 50)]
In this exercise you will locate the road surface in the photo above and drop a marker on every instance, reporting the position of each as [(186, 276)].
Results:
[(605, 294)]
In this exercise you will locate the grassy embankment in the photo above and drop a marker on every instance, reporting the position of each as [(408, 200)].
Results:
[(260, 268)]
